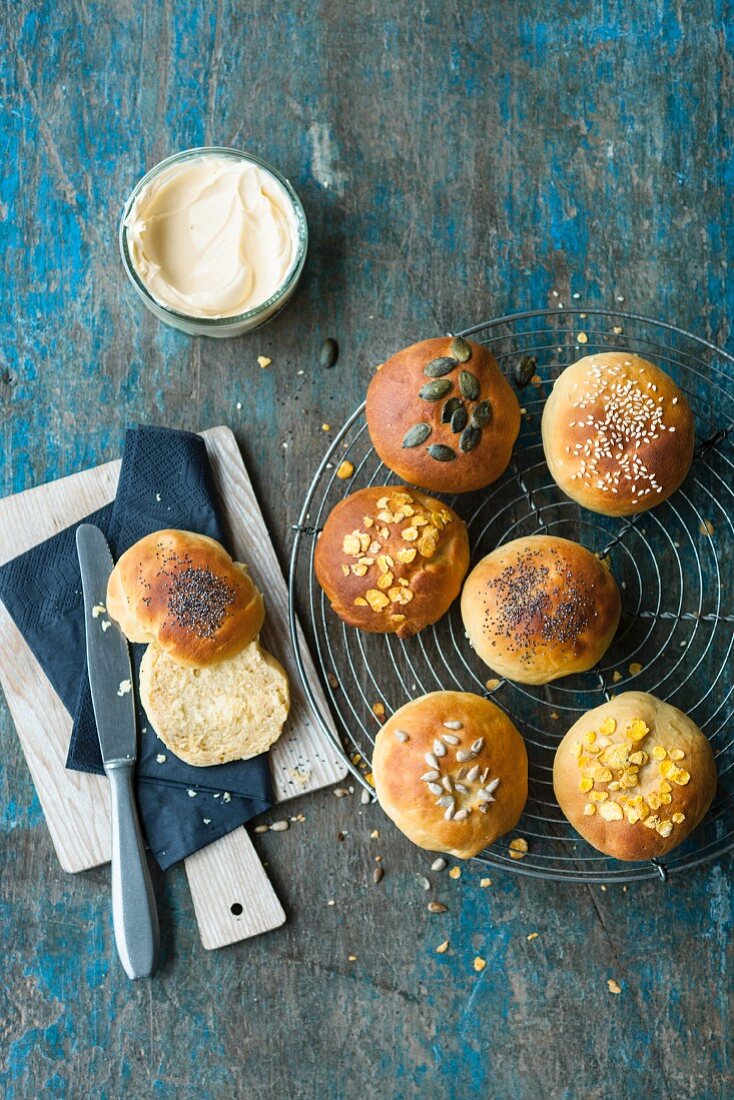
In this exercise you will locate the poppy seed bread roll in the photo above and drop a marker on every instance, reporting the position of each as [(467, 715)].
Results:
[(634, 776), (391, 560), (183, 591), (618, 434), (442, 415), (540, 607), (451, 771)]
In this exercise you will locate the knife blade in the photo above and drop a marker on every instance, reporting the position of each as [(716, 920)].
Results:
[(134, 914)]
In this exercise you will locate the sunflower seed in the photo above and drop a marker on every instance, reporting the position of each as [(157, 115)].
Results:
[(279, 826), (261, 829), (462, 756), (402, 735), (470, 438), (341, 792), (439, 748), (365, 798), (435, 788), (441, 453), (436, 907), (446, 800), (377, 875), (472, 774), (484, 796), (453, 725), (481, 414), (438, 367), (449, 811), (478, 745), (416, 435), (451, 738), (469, 385), (460, 349), (524, 370), (434, 391), (493, 785), (329, 353), (461, 787), (449, 409), (428, 777), (461, 815), (439, 864), (484, 775), (462, 773), (446, 783), (459, 420), (432, 762)]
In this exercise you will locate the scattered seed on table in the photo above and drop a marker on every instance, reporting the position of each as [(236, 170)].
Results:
[(332, 679), (329, 353), (423, 881), (378, 709), (279, 826), (352, 958), (437, 907), (264, 361), (442, 948), (438, 864), (341, 792), (377, 874), (533, 936), (375, 834), (485, 882), (613, 986), (365, 798), (262, 829)]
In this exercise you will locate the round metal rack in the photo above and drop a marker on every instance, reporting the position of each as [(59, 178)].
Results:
[(673, 564)]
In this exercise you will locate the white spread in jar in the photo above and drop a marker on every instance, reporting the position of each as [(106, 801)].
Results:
[(213, 236)]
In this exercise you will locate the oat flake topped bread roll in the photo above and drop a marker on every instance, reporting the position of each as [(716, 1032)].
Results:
[(634, 776), (183, 591), (391, 560), (442, 415), (451, 771), (540, 607), (618, 434)]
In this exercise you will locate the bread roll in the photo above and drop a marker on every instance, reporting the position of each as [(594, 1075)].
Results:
[(540, 607), (231, 710), (441, 415), (184, 592), (634, 776), (451, 771), (391, 560), (618, 434)]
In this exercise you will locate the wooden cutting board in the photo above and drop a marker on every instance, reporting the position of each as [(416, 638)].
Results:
[(227, 873)]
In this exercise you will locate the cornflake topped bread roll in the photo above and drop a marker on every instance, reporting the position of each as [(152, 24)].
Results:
[(634, 776), (391, 559), (618, 434), (451, 771), (183, 591), (442, 415), (540, 607)]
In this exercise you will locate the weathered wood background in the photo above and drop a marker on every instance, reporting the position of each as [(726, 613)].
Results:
[(455, 162)]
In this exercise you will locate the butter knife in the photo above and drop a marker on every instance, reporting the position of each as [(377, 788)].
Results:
[(134, 915)]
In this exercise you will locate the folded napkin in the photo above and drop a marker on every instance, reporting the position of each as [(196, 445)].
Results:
[(165, 481)]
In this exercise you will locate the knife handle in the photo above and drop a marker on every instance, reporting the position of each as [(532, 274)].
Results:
[(134, 914)]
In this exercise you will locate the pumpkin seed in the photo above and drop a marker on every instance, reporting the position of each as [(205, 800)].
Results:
[(470, 438), (524, 370), (438, 367), (329, 353), (449, 409), (459, 420), (460, 349), (434, 391), (416, 435), (469, 385), (441, 453), (481, 414)]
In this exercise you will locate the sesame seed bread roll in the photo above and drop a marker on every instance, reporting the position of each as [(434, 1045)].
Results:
[(442, 415), (391, 560), (540, 607), (184, 592), (634, 777), (451, 771), (618, 434), (231, 710)]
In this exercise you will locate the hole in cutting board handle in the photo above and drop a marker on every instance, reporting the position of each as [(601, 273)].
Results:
[(236, 909)]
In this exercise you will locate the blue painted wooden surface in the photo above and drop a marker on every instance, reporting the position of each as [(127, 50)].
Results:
[(455, 162)]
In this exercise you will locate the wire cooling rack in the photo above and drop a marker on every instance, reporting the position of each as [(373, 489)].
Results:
[(674, 565)]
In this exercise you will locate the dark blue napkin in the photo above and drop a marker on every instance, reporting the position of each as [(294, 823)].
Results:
[(165, 481)]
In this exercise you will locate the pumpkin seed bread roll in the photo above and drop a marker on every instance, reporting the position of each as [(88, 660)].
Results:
[(183, 591), (451, 771), (618, 434), (634, 777), (391, 560), (442, 415), (540, 607)]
